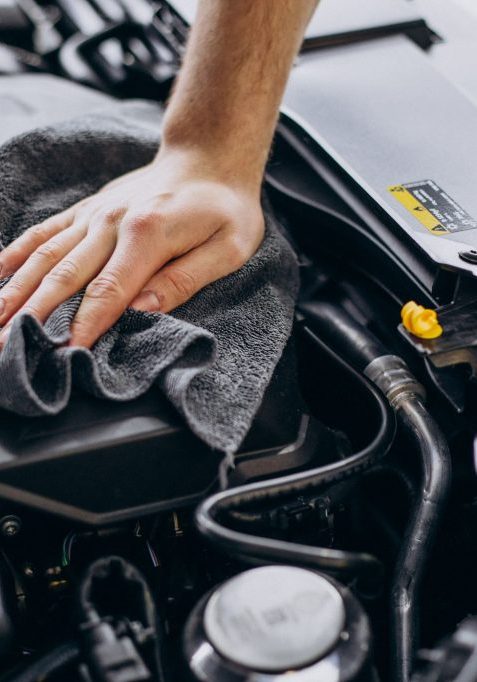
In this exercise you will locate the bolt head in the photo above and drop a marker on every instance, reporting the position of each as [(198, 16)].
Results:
[(10, 526)]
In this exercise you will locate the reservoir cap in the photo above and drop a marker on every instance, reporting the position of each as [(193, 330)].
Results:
[(275, 618)]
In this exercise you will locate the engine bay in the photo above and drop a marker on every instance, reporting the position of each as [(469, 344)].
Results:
[(339, 546)]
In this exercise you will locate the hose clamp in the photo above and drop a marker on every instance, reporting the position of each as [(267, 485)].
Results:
[(394, 378)]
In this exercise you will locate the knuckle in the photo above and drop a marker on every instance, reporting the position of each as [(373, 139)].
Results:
[(106, 286), (143, 223), (65, 273), (112, 215), (49, 252), (14, 287), (37, 233), (181, 281)]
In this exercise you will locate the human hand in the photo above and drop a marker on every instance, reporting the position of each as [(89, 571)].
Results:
[(150, 239)]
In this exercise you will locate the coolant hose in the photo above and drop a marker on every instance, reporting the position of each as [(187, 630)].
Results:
[(257, 549), (339, 331), (406, 396), (421, 530)]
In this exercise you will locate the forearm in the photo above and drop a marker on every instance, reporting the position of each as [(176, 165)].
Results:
[(226, 100)]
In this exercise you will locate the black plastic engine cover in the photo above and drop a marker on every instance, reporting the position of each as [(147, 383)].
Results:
[(100, 462)]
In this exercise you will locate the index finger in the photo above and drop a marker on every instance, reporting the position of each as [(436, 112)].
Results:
[(16, 253)]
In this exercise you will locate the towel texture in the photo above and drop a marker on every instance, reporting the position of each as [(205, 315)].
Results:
[(213, 357)]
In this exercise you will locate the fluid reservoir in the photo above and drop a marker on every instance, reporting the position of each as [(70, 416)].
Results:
[(278, 623)]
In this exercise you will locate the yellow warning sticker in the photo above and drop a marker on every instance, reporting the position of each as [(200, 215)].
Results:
[(408, 199)]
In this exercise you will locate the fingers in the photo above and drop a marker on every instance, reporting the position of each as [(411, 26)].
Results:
[(18, 251), (70, 275), (182, 278), (31, 273), (168, 247), (108, 295), (146, 242)]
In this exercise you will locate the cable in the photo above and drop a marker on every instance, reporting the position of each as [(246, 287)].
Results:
[(67, 547), (263, 550)]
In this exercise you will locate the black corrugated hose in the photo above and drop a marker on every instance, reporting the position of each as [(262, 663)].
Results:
[(254, 549)]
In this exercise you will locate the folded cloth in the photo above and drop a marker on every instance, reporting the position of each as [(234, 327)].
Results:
[(213, 357)]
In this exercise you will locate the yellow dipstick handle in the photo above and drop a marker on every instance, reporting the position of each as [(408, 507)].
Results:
[(420, 321)]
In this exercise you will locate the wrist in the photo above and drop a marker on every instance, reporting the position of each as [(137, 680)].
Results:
[(222, 162)]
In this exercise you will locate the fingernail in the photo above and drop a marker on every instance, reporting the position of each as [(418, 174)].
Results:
[(148, 301)]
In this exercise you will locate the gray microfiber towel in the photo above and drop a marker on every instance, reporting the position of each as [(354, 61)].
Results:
[(213, 357)]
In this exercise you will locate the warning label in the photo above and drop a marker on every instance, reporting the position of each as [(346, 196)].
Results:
[(433, 207)]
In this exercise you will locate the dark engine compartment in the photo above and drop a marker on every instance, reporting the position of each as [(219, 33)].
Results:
[(129, 550)]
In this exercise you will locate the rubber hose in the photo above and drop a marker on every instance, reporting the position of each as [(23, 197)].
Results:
[(341, 332), (420, 532), (266, 550)]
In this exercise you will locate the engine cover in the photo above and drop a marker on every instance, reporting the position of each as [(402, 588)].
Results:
[(100, 462)]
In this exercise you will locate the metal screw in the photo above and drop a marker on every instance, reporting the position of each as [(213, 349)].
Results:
[(10, 526)]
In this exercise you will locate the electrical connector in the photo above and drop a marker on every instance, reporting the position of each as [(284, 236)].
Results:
[(112, 658)]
